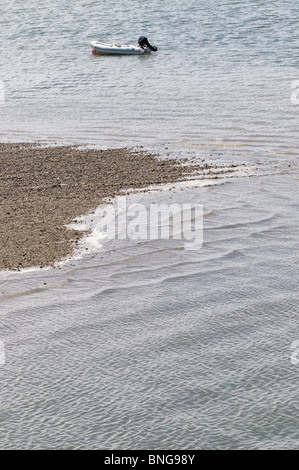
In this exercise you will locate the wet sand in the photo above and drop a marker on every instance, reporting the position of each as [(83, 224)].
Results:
[(44, 188)]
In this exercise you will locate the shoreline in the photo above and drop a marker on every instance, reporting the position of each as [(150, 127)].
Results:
[(43, 189)]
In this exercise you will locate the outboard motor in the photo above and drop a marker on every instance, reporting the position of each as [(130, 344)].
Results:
[(143, 43)]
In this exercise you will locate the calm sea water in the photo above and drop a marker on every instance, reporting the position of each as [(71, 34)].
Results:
[(221, 79), (146, 345)]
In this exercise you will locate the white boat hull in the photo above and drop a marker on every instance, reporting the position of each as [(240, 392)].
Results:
[(117, 49)]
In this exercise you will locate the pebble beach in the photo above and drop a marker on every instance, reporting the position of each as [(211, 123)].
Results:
[(44, 188)]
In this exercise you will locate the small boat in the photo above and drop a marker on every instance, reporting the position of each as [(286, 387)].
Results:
[(124, 49), (143, 47)]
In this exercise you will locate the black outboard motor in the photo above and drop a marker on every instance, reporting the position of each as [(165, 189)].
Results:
[(143, 43)]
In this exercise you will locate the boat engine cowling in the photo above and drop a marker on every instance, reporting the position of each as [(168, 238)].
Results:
[(143, 43)]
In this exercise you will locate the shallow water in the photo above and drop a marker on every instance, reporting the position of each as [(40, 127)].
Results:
[(221, 79), (146, 344)]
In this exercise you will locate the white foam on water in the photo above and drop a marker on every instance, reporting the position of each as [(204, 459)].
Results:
[(92, 223), (100, 224)]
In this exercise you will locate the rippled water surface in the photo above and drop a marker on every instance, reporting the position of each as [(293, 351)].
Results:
[(221, 79), (148, 345)]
